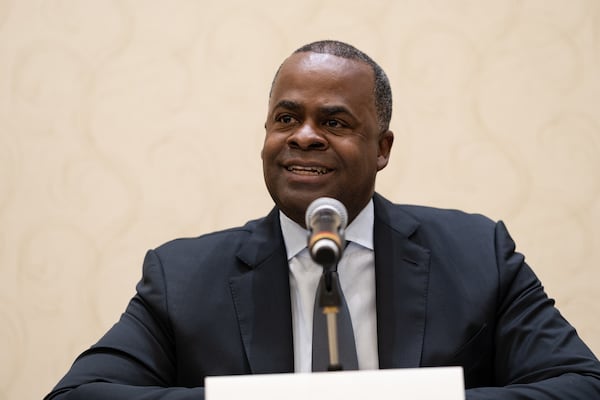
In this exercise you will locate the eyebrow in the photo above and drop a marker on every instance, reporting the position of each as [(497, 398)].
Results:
[(332, 110), (325, 110), (289, 105)]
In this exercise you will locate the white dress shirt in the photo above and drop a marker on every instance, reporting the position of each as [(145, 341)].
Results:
[(356, 270)]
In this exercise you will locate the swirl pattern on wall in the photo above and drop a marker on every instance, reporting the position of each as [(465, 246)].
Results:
[(124, 124)]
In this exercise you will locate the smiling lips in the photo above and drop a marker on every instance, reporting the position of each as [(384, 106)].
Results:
[(300, 170)]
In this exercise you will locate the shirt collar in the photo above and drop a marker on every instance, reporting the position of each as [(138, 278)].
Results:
[(360, 231)]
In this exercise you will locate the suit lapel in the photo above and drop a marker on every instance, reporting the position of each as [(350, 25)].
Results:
[(262, 296), (401, 276), (262, 299)]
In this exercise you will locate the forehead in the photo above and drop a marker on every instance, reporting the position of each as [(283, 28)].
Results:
[(314, 73)]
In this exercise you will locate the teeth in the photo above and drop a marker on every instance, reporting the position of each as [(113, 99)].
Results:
[(307, 170)]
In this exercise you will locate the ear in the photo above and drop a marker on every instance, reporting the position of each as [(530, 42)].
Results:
[(386, 139), (262, 151)]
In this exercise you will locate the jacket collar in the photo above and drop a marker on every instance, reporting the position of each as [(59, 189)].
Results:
[(401, 282), (262, 296)]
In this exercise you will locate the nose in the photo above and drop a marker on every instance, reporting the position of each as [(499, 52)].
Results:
[(307, 137)]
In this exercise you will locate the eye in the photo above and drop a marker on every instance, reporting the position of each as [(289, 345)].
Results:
[(284, 119), (333, 123)]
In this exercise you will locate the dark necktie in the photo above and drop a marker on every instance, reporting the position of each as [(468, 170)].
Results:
[(346, 345)]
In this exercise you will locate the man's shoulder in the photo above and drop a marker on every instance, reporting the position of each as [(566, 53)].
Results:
[(219, 239), (434, 214), (429, 218), (449, 231)]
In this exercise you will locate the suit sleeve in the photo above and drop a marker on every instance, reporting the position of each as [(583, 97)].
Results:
[(538, 354), (135, 359)]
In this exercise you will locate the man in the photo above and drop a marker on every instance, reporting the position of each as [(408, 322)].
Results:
[(425, 287)]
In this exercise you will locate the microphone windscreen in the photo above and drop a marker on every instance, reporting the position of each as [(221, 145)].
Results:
[(327, 203)]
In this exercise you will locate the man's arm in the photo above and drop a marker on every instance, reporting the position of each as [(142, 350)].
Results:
[(113, 391), (135, 359), (538, 354)]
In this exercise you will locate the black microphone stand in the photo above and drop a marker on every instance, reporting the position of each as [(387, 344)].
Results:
[(330, 300)]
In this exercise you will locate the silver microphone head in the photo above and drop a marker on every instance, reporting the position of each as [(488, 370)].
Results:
[(326, 219), (327, 203)]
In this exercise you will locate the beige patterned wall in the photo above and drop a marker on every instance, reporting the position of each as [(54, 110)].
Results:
[(124, 124)]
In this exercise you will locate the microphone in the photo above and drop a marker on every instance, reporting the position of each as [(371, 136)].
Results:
[(326, 219)]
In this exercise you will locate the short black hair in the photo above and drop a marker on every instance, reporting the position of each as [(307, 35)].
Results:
[(382, 91)]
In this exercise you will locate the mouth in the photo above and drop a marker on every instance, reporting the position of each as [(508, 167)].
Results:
[(308, 171)]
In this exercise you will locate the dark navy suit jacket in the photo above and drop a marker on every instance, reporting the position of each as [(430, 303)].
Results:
[(450, 290)]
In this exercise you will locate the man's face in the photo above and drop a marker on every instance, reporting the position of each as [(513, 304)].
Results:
[(322, 136)]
